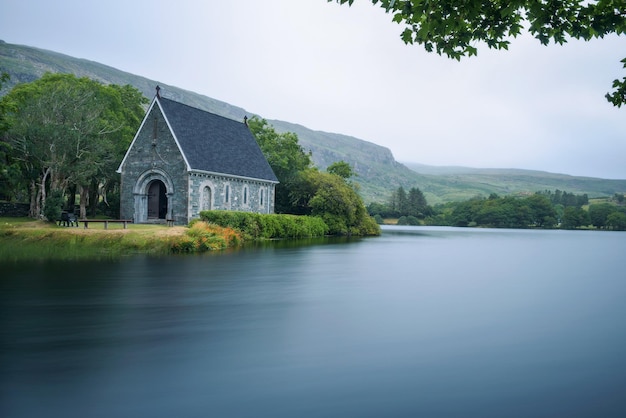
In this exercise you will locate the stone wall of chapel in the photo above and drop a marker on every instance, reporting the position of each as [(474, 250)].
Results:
[(243, 195), (155, 154)]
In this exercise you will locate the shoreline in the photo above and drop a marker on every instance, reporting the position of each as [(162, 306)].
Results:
[(30, 240)]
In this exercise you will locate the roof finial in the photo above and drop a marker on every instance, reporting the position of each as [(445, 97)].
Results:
[(158, 91), (245, 120)]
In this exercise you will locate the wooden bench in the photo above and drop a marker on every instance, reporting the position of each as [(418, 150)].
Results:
[(170, 222), (106, 222), (68, 219)]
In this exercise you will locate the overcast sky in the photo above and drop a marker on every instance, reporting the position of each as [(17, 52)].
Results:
[(345, 70)]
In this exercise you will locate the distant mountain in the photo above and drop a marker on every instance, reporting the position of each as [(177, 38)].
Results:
[(459, 183), (378, 172)]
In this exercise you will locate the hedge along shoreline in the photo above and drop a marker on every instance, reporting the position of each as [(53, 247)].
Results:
[(267, 226)]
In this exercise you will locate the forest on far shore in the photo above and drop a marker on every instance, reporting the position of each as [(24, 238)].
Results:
[(545, 209)]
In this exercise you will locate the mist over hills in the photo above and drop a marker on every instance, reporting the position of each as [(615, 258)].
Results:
[(378, 171)]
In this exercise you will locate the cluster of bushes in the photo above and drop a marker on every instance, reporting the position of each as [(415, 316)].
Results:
[(203, 236), (14, 210), (408, 220), (336, 201), (267, 226)]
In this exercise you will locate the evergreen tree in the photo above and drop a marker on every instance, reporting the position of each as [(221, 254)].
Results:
[(417, 204)]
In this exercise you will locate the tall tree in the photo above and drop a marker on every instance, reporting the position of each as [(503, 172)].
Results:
[(4, 126), (124, 107), (574, 217), (599, 213), (453, 28), (287, 159), (542, 212), (65, 130), (342, 169), (10, 175), (402, 200), (417, 204), (616, 221)]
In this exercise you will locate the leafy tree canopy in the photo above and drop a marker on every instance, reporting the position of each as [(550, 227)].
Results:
[(342, 169), (66, 131), (338, 204), (287, 159), (282, 150), (304, 190), (4, 77), (616, 221), (453, 27)]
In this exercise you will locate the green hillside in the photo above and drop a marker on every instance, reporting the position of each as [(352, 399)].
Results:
[(460, 183), (378, 172)]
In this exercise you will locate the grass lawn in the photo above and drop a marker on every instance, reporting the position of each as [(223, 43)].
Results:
[(28, 239), (25, 239)]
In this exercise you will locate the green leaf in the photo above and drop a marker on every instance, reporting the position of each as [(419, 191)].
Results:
[(407, 36)]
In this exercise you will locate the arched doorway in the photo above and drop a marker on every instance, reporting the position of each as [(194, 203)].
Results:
[(157, 200), (153, 192)]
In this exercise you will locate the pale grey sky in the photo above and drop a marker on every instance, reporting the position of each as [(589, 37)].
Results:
[(345, 70)]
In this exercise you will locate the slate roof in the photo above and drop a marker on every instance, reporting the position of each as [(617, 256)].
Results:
[(214, 143)]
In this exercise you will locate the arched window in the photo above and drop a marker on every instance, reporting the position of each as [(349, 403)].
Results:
[(245, 195), (206, 198), (262, 198), (227, 193)]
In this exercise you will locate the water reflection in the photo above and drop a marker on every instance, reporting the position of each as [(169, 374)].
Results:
[(418, 322)]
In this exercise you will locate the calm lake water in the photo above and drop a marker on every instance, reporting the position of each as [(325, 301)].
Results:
[(420, 322)]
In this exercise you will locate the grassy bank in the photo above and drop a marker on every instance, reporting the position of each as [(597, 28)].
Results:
[(25, 239)]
